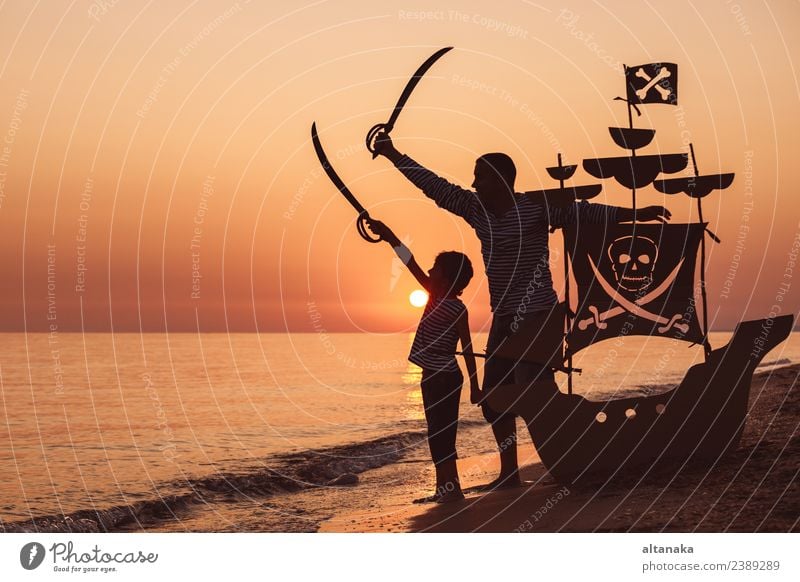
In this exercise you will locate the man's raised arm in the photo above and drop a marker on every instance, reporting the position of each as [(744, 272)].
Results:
[(446, 195)]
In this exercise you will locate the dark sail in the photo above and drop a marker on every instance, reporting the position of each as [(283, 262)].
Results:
[(635, 172), (634, 280)]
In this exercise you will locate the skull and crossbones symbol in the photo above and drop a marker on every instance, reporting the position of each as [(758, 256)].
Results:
[(652, 82), (633, 259)]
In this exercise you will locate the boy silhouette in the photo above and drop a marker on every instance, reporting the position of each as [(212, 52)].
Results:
[(443, 324)]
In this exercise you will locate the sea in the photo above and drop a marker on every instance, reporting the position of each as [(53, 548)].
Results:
[(245, 432)]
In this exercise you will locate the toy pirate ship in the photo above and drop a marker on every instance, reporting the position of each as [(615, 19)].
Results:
[(631, 279), (636, 279)]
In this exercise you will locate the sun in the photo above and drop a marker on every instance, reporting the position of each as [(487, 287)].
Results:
[(418, 298)]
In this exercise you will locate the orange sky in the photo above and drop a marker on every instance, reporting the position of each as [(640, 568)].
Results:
[(141, 143)]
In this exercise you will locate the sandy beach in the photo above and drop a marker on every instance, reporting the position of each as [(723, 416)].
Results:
[(752, 489)]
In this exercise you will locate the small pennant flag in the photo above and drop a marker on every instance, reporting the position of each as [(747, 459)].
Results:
[(653, 83)]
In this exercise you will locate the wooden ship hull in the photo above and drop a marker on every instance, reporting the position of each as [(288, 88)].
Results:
[(699, 420)]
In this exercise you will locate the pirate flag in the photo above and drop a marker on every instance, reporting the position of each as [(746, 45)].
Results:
[(634, 279), (653, 83)]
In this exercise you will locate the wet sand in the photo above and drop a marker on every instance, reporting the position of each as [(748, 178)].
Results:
[(755, 488)]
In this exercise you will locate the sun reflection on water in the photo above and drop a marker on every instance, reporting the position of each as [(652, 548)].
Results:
[(413, 408)]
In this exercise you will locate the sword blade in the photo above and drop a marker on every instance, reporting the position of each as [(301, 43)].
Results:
[(326, 165), (628, 305), (636, 308), (663, 286), (412, 83)]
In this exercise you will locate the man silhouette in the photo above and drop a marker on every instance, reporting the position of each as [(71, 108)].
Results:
[(513, 231)]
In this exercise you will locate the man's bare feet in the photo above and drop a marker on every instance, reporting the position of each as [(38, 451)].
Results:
[(450, 496), (502, 482)]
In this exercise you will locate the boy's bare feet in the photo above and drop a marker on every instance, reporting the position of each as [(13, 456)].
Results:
[(442, 496)]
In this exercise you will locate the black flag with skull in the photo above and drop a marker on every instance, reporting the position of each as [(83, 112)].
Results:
[(634, 280), (652, 83)]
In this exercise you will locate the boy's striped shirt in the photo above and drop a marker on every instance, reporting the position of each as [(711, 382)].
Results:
[(436, 339)]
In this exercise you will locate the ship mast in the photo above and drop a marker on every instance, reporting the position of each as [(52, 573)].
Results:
[(706, 343), (633, 152), (563, 197), (698, 186), (564, 173)]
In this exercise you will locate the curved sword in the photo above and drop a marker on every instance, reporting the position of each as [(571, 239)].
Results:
[(412, 83), (363, 215), (635, 307)]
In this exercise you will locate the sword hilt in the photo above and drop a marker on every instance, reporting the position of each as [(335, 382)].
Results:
[(372, 135), (361, 226)]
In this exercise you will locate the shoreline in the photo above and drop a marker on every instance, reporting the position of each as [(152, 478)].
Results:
[(752, 489)]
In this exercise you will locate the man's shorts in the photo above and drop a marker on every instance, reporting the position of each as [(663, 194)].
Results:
[(498, 371)]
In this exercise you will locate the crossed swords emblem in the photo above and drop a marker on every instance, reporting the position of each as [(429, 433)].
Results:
[(652, 82), (635, 307)]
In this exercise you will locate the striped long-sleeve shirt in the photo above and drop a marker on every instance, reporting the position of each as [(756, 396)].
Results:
[(515, 245), (436, 339)]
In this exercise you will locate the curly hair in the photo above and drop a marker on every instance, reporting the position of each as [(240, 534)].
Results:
[(457, 268)]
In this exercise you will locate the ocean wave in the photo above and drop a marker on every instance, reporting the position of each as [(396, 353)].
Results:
[(285, 473), (779, 363)]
